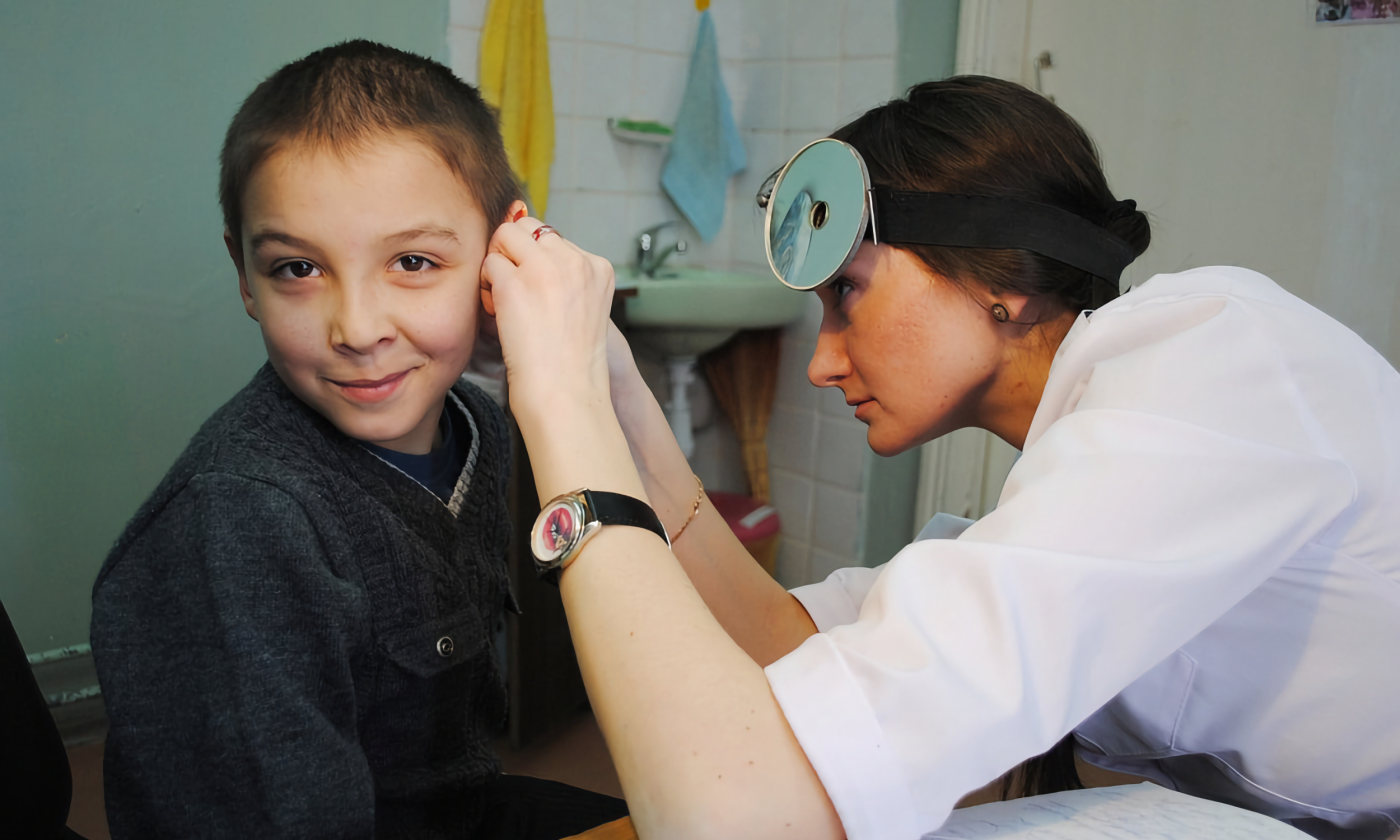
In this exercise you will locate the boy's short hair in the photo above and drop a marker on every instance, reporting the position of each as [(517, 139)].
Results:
[(343, 97)]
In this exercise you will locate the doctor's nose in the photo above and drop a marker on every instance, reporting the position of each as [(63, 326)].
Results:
[(830, 364)]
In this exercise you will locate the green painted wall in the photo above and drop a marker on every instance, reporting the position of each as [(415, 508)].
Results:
[(120, 323), (928, 41)]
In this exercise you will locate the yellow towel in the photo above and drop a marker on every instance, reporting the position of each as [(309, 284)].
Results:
[(515, 80)]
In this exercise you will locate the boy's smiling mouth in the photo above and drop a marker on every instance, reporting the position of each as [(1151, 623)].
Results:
[(371, 390)]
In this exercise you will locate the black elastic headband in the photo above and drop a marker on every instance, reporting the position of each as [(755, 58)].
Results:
[(974, 221)]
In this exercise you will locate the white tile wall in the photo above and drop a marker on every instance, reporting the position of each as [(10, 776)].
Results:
[(795, 69)]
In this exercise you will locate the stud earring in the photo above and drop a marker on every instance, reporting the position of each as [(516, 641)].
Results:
[(1000, 314)]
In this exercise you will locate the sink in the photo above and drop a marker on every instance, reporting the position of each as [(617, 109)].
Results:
[(683, 312)]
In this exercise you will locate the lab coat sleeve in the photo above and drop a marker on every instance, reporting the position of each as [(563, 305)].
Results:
[(1120, 536), (837, 600)]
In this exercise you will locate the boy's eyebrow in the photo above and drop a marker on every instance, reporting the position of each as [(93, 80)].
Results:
[(420, 232), (260, 239)]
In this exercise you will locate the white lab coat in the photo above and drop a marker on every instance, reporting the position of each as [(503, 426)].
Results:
[(1195, 564)]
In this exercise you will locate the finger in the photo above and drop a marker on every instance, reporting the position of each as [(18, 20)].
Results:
[(488, 301), (496, 269)]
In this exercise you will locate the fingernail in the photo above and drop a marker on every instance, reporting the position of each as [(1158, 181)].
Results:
[(519, 214)]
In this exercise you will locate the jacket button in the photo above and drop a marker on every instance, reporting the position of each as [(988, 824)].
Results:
[(444, 646)]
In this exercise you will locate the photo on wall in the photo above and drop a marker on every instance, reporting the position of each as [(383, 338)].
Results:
[(1356, 11)]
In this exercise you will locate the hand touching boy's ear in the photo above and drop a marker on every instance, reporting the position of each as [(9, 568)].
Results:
[(488, 339), (515, 213)]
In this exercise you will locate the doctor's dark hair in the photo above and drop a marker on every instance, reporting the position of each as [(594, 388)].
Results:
[(974, 135), (345, 97)]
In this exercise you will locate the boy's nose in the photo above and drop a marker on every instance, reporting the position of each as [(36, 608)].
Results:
[(358, 322)]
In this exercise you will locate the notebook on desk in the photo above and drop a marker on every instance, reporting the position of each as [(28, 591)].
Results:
[(1127, 812)]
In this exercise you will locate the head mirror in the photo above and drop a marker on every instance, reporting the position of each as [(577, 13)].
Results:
[(818, 209)]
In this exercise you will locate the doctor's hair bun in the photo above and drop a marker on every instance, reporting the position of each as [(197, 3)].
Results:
[(975, 135)]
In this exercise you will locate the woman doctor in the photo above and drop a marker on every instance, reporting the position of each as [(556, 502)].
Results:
[(1194, 566)]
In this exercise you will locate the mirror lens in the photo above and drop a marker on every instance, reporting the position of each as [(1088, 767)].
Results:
[(806, 248), (793, 238)]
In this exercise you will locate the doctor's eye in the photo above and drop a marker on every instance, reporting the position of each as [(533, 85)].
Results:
[(295, 269), (413, 262)]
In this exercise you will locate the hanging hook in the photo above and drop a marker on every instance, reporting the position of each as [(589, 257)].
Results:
[(1044, 61)]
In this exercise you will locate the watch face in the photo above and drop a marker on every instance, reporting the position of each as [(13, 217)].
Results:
[(557, 530)]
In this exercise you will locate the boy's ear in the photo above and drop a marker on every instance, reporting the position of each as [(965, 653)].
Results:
[(235, 253), (516, 210)]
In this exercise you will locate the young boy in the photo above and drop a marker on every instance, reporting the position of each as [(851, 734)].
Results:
[(293, 635)]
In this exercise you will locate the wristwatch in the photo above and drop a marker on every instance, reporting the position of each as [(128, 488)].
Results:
[(571, 520)]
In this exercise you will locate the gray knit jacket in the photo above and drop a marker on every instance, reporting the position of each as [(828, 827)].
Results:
[(293, 638)]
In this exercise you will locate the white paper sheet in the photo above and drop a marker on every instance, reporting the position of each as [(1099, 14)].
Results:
[(1128, 812)]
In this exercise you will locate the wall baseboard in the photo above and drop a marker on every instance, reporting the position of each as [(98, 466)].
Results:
[(68, 680)]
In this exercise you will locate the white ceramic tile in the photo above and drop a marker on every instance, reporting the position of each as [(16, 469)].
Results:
[(463, 52), (659, 84), (791, 570), (835, 520), (469, 13), (644, 172), (717, 459), (595, 226), (793, 388), (563, 54), (602, 160), (736, 85), (814, 29), (561, 18), (728, 16), (603, 84), (767, 152), (559, 211), (792, 496), (669, 26), (811, 321), (763, 95), (841, 450), (831, 402), (813, 88), (561, 171), (870, 29), (865, 83), (792, 439), (608, 21), (712, 254), (765, 29), (820, 564)]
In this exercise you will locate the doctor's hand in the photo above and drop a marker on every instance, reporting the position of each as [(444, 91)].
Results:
[(550, 301)]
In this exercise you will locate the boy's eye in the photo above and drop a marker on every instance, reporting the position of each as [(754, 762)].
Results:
[(412, 262), (296, 268)]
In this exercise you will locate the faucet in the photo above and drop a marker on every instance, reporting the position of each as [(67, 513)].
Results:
[(649, 256)]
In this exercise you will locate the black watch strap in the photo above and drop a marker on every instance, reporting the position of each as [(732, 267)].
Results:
[(617, 509), (614, 509)]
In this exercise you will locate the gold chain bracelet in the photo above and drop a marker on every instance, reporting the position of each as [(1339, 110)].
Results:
[(699, 498)]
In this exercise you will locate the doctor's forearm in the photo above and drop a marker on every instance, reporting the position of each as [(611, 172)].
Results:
[(754, 609)]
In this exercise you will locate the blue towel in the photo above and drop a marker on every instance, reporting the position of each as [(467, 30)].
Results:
[(706, 149)]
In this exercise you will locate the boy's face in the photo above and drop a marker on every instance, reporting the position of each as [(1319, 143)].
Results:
[(364, 274)]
